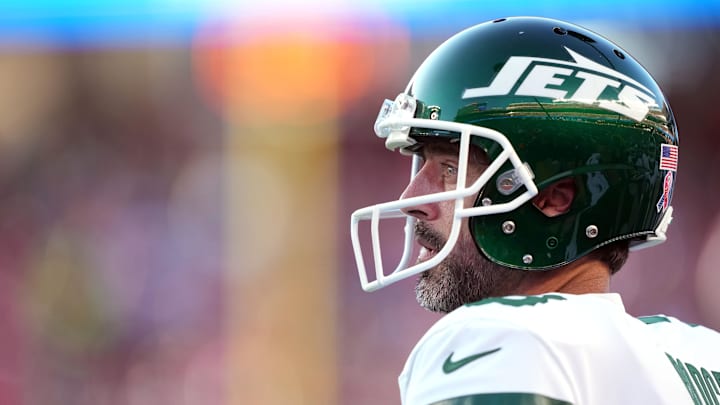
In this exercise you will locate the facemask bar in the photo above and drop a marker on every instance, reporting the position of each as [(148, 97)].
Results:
[(394, 123)]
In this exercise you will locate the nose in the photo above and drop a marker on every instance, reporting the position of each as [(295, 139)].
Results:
[(420, 185)]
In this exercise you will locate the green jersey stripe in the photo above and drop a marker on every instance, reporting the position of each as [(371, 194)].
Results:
[(509, 398)]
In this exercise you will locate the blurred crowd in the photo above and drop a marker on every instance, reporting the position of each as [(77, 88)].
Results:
[(110, 233)]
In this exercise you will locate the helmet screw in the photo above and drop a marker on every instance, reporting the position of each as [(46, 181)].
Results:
[(508, 227), (527, 259), (506, 184), (591, 231), (486, 201)]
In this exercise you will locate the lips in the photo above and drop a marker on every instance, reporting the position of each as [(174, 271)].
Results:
[(426, 250), (430, 241)]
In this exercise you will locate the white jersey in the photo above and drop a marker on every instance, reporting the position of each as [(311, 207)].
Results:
[(561, 349)]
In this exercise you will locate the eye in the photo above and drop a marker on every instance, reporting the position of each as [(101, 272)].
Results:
[(449, 172)]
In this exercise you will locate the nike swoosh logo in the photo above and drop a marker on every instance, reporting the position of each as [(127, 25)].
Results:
[(449, 366)]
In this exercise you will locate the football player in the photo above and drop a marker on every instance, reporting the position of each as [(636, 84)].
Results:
[(542, 153)]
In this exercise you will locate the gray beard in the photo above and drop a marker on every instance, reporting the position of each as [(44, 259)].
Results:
[(465, 276)]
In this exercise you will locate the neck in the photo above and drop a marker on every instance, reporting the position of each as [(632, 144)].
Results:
[(585, 276)]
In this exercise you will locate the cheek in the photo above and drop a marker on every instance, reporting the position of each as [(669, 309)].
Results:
[(466, 249), (447, 207), (469, 201), (465, 232)]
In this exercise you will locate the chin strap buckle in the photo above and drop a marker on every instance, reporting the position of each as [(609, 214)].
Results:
[(660, 235)]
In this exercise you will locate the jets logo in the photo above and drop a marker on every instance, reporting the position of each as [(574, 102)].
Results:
[(528, 76)]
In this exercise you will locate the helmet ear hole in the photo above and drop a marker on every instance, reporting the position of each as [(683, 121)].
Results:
[(556, 198)]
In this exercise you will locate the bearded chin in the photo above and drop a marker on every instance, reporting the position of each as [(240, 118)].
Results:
[(465, 276)]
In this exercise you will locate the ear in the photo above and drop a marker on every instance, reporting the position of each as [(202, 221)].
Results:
[(556, 199)]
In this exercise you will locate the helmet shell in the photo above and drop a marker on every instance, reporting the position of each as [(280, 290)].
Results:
[(573, 105)]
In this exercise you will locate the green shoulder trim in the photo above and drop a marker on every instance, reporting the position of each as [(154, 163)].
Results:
[(519, 301), (515, 398), (649, 320)]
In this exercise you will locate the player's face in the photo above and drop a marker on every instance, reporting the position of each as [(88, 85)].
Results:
[(465, 275)]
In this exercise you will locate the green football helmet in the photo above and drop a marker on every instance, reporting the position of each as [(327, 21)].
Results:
[(545, 100)]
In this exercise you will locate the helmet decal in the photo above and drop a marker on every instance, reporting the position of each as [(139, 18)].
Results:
[(668, 157), (664, 201), (633, 100)]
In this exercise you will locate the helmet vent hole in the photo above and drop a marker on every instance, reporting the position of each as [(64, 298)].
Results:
[(552, 242), (559, 31), (499, 20), (619, 54), (581, 37)]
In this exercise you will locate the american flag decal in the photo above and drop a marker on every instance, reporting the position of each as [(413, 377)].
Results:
[(668, 157)]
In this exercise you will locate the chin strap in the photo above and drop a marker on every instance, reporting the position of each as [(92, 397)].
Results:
[(660, 235)]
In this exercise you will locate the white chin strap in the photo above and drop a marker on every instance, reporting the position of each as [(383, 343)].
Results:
[(660, 234), (394, 124)]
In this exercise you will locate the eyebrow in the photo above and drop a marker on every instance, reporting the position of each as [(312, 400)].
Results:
[(443, 147)]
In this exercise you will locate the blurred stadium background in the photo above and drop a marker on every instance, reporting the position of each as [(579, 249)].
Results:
[(176, 181)]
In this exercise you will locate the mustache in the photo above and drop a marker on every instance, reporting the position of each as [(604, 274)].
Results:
[(429, 236)]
